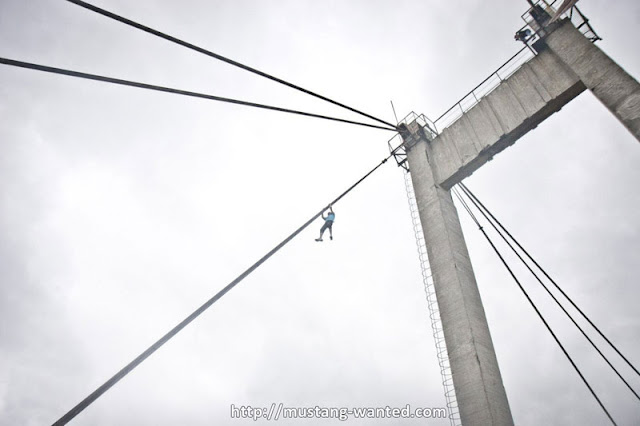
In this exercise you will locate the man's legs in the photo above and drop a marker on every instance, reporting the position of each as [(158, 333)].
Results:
[(325, 226)]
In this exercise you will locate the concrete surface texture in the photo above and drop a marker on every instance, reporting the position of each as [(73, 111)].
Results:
[(539, 88), (607, 80), (480, 393)]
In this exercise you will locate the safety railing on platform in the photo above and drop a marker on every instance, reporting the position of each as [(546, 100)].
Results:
[(434, 312), (529, 35), (396, 145), (582, 23), (574, 14), (487, 85)]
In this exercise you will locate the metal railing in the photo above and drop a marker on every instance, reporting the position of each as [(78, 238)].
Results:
[(574, 14), (582, 23), (514, 63), (487, 85), (396, 144)]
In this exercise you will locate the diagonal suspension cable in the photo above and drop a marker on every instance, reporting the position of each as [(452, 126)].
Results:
[(463, 186), (183, 43), (121, 82), (533, 305), (550, 293), (164, 339)]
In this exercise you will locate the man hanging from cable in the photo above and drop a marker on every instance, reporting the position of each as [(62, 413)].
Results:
[(328, 223)]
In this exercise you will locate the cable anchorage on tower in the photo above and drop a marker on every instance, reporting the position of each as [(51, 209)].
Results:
[(401, 142)]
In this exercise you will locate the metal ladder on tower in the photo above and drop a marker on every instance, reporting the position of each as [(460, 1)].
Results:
[(432, 302)]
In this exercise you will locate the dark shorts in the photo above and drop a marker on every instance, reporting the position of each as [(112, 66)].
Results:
[(327, 225)]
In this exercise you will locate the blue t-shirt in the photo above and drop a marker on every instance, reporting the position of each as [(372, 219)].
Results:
[(330, 217)]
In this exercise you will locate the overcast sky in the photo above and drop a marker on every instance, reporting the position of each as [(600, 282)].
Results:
[(123, 210)]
